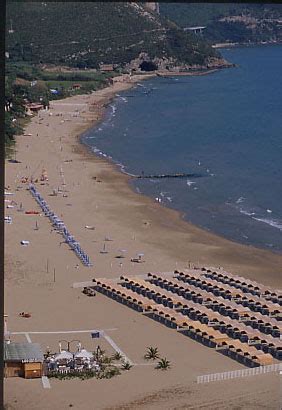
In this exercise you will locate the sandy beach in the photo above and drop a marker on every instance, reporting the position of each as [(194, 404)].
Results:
[(39, 277)]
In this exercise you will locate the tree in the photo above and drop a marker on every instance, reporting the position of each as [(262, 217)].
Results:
[(152, 353), (117, 356), (126, 366), (163, 364), (9, 129)]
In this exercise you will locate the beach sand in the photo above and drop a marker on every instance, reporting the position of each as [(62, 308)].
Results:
[(97, 194)]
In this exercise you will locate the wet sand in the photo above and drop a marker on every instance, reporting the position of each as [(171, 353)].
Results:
[(97, 194)]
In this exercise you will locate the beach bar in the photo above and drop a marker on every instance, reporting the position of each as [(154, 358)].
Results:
[(23, 360)]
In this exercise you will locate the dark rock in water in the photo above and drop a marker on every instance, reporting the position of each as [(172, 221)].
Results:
[(180, 175)]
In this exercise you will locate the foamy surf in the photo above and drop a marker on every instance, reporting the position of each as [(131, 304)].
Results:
[(190, 183), (240, 200), (122, 168), (162, 194), (114, 108), (272, 222), (96, 150), (245, 212)]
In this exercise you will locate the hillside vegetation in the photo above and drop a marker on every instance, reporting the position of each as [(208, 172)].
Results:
[(26, 83), (84, 34), (234, 22), (81, 38)]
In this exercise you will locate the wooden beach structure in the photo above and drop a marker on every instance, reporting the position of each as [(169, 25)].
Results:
[(201, 313), (23, 360), (246, 285), (218, 303), (228, 318), (253, 302)]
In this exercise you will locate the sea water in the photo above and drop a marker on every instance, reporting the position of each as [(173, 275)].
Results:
[(226, 126)]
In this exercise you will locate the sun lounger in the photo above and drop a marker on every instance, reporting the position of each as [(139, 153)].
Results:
[(8, 219), (137, 260)]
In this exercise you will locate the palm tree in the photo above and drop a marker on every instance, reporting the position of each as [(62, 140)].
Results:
[(106, 359), (117, 356), (126, 366), (99, 353), (163, 364), (152, 353)]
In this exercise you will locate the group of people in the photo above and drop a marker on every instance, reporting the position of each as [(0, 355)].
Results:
[(60, 226)]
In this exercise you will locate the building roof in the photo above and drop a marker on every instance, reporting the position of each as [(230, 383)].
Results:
[(23, 352)]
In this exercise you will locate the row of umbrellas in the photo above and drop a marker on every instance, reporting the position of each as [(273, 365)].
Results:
[(253, 302), (264, 323), (60, 226), (246, 285)]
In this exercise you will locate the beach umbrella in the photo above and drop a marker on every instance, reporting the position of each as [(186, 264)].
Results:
[(107, 239), (122, 252), (104, 249), (140, 255)]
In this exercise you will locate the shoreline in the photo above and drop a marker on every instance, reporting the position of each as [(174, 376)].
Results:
[(243, 45), (118, 168), (179, 215), (97, 194)]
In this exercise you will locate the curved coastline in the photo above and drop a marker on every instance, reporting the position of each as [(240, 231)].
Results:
[(121, 167), (178, 222)]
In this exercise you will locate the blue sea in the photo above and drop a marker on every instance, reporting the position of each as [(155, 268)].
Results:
[(226, 126)]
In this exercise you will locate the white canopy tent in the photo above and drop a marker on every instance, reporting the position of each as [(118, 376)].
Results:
[(83, 354), (64, 355)]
